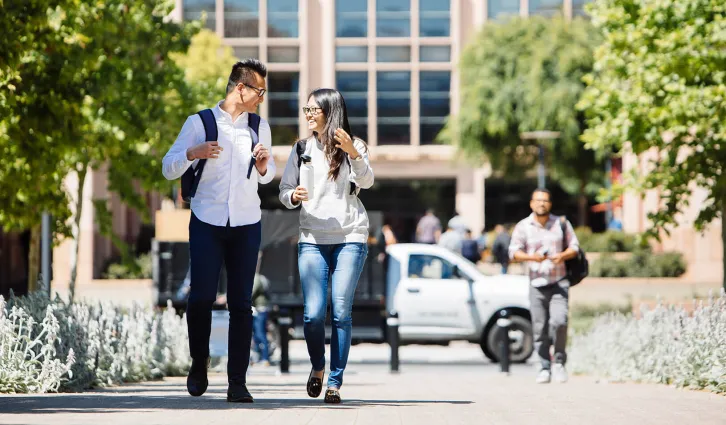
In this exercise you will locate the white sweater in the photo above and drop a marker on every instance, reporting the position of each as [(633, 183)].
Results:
[(333, 215)]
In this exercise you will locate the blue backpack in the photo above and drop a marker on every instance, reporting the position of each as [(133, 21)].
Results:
[(190, 178)]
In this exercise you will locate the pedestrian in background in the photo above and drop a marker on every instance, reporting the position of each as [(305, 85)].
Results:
[(428, 229), (500, 247), (539, 241)]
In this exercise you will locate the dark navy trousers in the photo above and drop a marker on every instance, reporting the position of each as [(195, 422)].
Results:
[(209, 247)]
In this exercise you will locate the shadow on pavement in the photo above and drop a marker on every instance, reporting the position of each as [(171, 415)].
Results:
[(117, 403)]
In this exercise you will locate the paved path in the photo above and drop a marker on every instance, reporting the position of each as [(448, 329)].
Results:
[(436, 385)]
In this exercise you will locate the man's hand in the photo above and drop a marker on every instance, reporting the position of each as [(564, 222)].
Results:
[(262, 155), (207, 150), (537, 257), (558, 258)]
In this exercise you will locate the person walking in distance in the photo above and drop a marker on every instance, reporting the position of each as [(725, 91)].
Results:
[(428, 229), (538, 240), (225, 217), (333, 231), (500, 247)]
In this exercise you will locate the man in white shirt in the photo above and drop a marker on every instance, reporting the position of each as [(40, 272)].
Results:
[(225, 222)]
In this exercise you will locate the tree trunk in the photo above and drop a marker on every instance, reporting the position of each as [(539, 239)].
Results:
[(34, 258), (582, 206), (76, 232)]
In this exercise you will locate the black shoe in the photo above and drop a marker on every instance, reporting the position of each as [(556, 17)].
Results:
[(332, 395), (197, 381), (239, 394), (315, 385)]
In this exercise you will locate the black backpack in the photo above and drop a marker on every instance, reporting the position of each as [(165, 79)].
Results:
[(300, 147), (190, 178), (577, 267)]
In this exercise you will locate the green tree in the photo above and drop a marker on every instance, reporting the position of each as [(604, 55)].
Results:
[(659, 85), (525, 75), (102, 91)]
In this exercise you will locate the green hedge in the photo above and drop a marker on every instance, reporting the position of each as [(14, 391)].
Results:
[(643, 263), (140, 269), (610, 241)]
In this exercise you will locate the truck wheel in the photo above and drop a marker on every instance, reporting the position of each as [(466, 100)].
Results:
[(522, 341)]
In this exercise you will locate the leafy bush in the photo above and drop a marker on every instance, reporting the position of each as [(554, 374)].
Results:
[(139, 269), (667, 345), (610, 241), (94, 344), (643, 263)]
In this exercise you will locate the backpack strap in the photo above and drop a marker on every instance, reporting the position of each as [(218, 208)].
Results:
[(253, 121), (300, 147), (563, 226), (353, 186), (210, 135)]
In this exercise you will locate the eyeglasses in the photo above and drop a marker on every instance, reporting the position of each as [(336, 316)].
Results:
[(260, 92), (312, 110)]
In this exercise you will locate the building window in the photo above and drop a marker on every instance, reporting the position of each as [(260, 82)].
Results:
[(193, 10), (434, 19), (435, 86), (283, 54), (353, 86), (351, 18), (545, 7), (241, 18), (284, 108), (393, 54), (502, 9), (393, 98), (393, 18), (282, 18), (351, 54), (435, 53), (244, 52), (578, 7)]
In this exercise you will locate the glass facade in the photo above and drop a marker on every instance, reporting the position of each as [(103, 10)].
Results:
[(351, 18), (243, 52), (393, 99), (353, 85), (283, 54), (393, 18), (435, 89), (351, 54), (434, 18), (194, 9), (284, 106), (393, 54), (502, 9), (282, 18), (435, 53), (241, 18), (545, 7)]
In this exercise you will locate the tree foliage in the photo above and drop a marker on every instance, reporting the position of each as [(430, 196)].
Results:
[(526, 75), (659, 86)]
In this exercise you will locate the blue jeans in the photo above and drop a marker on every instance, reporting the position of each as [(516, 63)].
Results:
[(342, 263), (209, 247), (259, 334)]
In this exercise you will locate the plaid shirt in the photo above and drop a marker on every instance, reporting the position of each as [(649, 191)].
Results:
[(531, 237)]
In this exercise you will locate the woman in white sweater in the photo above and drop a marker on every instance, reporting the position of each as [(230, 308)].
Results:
[(333, 231)]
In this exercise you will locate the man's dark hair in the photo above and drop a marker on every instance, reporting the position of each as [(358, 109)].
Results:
[(242, 72), (542, 190)]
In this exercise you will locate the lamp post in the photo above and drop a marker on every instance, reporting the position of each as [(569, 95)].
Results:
[(539, 136)]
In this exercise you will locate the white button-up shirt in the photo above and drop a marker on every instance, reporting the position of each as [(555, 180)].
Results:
[(224, 191)]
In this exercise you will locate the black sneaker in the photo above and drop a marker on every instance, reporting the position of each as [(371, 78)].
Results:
[(239, 394), (197, 381)]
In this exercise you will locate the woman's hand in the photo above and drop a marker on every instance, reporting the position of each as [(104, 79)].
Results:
[(345, 142), (300, 194)]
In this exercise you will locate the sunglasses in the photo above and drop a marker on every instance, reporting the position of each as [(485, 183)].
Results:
[(312, 110)]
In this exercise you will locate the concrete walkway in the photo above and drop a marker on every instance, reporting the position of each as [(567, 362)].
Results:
[(436, 385)]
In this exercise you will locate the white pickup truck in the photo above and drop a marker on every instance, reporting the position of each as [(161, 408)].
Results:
[(440, 296)]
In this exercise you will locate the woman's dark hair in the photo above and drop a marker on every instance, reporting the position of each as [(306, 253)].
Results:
[(336, 116)]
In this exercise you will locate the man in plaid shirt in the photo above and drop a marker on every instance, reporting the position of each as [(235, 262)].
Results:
[(538, 241)]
